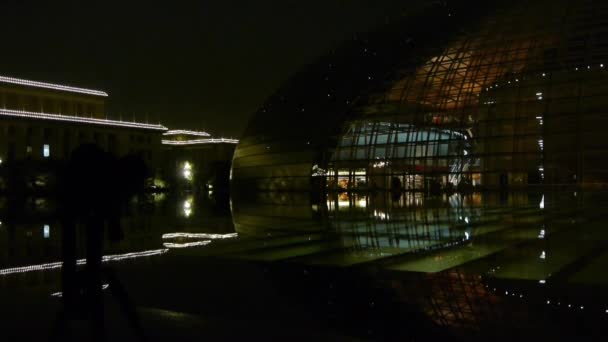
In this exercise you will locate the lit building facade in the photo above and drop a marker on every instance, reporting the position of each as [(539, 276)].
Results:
[(490, 96), (42, 123)]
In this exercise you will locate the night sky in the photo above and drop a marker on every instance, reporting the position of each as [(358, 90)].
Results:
[(198, 66)]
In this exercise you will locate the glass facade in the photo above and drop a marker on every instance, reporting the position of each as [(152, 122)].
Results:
[(509, 95)]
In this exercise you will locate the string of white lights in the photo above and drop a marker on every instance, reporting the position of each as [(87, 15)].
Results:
[(199, 236), (77, 119), (186, 132), (28, 83), (80, 262), (201, 141)]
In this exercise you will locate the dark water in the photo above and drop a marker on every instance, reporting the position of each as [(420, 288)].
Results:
[(347, 266)]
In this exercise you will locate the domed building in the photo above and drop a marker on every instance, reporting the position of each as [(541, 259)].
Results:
[(463, 94)]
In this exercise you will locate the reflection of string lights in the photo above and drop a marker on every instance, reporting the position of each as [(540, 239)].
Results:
[(194, 236), (199, 236), (60, 294), (80, 262), (187, 244), (185, 132), (200, 141)]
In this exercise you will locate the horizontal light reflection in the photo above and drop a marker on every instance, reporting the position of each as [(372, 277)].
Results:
[(60, 294), (80, 262), (187, 244), (199, 236), (201, 141), (186, 132)]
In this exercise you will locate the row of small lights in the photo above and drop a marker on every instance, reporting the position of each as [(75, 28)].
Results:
[(201, 141), (542, 75), (80, 262), (18, 81), (186, 132), (542, 256), (76, 119), (548, 301)]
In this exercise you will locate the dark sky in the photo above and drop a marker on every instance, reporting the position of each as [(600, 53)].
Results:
[(207, 65)]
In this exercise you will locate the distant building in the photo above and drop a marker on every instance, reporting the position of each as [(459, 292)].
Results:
[(42, 123), (196, 160)]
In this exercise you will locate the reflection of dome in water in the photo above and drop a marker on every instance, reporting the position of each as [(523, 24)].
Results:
[(510, 95)]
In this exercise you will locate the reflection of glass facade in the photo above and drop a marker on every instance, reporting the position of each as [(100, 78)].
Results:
[(508, 95)]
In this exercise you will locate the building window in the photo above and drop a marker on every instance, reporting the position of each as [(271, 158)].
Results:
[(46, 231), (46, 150)]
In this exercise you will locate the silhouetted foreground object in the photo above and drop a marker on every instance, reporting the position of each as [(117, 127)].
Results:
[(95, 187)]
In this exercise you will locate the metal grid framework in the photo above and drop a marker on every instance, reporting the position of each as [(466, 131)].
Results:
[(519, 100)]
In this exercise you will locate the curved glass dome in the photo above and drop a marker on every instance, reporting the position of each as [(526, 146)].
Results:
[(462, 95)]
